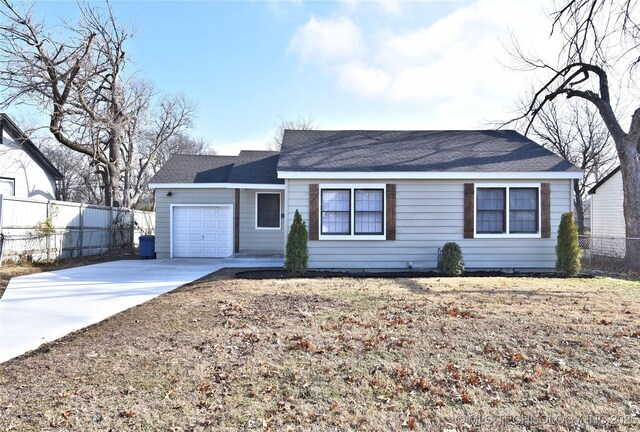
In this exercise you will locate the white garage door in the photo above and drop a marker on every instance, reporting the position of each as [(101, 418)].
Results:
[(202, 231)]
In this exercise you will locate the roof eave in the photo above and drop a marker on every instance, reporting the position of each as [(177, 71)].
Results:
[(17, 134), (430, 175), (603, 180), (216, 186)]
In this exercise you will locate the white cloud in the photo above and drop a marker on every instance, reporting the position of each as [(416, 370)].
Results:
[(364, 79), (455, 64), (327, 40)]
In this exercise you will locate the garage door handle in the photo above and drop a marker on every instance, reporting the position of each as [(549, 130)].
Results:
[(202, 236)]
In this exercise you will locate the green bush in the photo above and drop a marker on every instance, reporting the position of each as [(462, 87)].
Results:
[(568, 248), (451, 262), (297, 255)]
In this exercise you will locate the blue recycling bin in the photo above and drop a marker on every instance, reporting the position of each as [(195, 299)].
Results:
[(147, 246)]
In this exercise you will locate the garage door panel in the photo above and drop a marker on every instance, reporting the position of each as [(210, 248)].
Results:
[(202, 231)]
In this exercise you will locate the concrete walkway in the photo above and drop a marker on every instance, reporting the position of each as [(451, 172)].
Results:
[(43, 307)]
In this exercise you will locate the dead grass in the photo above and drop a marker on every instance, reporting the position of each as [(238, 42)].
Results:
[(385, 354)]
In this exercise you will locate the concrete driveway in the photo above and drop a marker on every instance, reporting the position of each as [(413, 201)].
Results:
[(42, 307)]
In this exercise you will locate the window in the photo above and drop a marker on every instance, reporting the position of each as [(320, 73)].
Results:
[(491, 211), (523, 210), (507, 210), (369, 211), (349, 212), (267, 210), (7, 187), (336, 211)]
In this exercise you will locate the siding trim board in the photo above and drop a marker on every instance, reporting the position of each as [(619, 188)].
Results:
[(545, 209), (215, 186), (391, 212), (314, 212), (428, 175), (236, 222)]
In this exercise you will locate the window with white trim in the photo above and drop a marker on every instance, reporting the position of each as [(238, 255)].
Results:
[(508, 209), (335, 212), (369, 211), (267, 210), (7, 186), (352, 212)]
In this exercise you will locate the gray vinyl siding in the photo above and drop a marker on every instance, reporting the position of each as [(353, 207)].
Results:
[(182, 196), (252, 239), (430, 213)]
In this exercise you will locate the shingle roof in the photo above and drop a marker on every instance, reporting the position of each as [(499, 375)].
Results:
[(248, 167), (256, 167), (436, 151), (195, 169)]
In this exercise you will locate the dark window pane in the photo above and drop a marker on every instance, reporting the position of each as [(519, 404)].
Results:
[(268, 210), (523, 210), (369, 211), (335, 211), (490, 214)]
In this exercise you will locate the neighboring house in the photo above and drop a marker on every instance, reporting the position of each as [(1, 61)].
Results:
[(607, 216), (371, 199), (24, 171), (586, 205)]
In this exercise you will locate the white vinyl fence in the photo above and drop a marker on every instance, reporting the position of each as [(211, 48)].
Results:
[(37, 230)]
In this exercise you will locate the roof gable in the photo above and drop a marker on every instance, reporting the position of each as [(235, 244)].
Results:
[(603, 180), (6, 124)]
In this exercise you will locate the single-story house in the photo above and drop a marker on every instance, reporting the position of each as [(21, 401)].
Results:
[(24, 171), (371, 199), (607, 216)]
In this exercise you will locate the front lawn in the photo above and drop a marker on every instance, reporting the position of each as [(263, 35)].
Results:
[(385, 354)]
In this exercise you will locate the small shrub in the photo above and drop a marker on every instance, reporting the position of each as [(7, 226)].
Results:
[(451, 262), (297, 255), (568, 247)]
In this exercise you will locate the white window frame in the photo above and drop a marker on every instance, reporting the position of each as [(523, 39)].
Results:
[(13, 182), (507, 187), (353, 187), (279, 212)]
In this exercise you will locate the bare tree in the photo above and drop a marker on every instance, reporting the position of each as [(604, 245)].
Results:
[(121, 124), (148, 136), (77, 80), (597, 34), (82, 182), (576, 133), (300, 123)]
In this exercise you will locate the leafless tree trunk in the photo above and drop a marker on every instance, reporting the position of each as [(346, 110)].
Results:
[(78, 81), (301, 123), (576, 133), (596, 34)]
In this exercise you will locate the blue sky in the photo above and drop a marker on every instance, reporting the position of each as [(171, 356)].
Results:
[(348, 64)]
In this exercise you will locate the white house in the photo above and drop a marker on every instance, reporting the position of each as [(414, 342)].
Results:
[(371, 199), (24, 171), (607, 216)]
